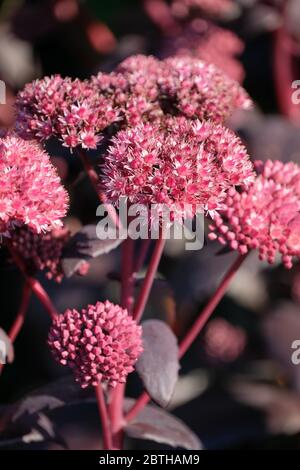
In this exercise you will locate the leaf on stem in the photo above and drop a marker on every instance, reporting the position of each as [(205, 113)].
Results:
[(158, 365), (85, 245), (34, 404), (155, 424)]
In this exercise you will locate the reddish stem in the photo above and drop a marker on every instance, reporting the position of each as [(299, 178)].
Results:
[(142, 255), (127, 288), (19, 320), (127, 279), (95, 183), (18, 323), (106, 432), (195, 329), (148, 281), (34, 284)]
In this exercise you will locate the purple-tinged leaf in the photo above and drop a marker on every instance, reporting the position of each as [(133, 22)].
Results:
[(158, 365), (155, 424), (34, 404), (85, 245)]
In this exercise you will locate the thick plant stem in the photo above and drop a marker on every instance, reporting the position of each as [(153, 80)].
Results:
[(127, 288), (195, 329), (95, 183), (106, 431), (127, 279), (34, 284), (19, 320), (210, 307), (142, 255), (148, 281), (18, 323)]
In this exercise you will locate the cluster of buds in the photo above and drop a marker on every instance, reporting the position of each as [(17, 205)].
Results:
[(265, 216), (101, 343), (41, 252)]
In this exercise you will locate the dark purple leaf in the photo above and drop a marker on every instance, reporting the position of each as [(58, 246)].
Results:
[(72, 265), (86, 245), (34, 404), (155, 424), (158, 365)]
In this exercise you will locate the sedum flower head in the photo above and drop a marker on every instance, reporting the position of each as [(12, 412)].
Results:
[(31, 192), (133, 89), (100, 343), (65, 108), (197, 90), (183, 164), (265, 216)]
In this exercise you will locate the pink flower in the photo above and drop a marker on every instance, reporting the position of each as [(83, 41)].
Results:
[(265, 216), (133, 89), (41, 252), (223, 341), (188, 163), (195, 89), (31, 192), (101, 343), (65, 108)]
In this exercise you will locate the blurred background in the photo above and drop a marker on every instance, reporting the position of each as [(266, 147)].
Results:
[(238, 387)]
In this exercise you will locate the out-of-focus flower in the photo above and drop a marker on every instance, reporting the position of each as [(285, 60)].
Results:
[(265, 216), (41, 252), (101, 343), (196, 89), (187, 163), (217, 8), (205, 41), (31, 192), (223, 341), (65, 108)]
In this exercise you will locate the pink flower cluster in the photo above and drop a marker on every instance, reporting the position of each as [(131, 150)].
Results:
[(132, 89), (196, 89), (100, 344), (41, 252), (65, 108), (31, 192), (188, 163), (205, 41), (265, 216), (142, 89)]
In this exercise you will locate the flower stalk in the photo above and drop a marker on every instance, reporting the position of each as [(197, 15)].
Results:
[(195, 329)]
